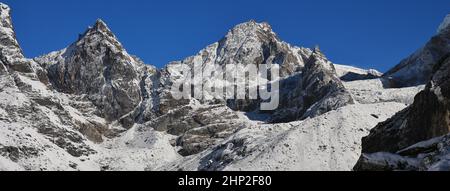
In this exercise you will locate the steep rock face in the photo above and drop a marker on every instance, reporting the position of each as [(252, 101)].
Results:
[(310, 87), (33, 120), (411, 139), (198, 127), (417, 69), (11, 53), (97, 65), (247, 43), (318, 91), (426, 118), (256, 43), (92, 106), (3, 69)]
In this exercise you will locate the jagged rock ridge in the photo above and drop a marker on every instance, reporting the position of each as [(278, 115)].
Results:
[(98, 66), (95, 107), (318, 91)]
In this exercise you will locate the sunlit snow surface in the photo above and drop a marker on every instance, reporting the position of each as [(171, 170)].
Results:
[(444, 24)]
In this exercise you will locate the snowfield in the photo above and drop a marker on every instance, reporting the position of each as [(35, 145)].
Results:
[(330, 142), (94, 107), (372, 91)]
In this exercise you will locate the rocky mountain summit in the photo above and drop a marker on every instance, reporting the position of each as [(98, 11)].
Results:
[(97, 65), (94, 106)]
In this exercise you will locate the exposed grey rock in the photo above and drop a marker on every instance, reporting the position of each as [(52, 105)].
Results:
[(31, 107), (3, 69), (224, 154), (68, 102), (249, 43), (417, 69), (98, 66), (11, 53), (391, 144), (426, 118), (256, 43), (355, 76), (198, 127), (306, 91), (430, 155), (318, 91), (16, 153)]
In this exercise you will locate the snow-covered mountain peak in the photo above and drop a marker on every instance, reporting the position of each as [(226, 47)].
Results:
[(100, 25), (100, 31), (251, 29), (253, 25), (445, 24), (93, 106), (4, 8), (98, 66), (318, 59), (318, 52)]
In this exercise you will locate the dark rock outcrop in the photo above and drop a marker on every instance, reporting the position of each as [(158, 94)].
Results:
[(430, 155), (426, 118), (317, 90)]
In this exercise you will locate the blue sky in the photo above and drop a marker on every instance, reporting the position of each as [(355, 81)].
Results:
[(369, 33)]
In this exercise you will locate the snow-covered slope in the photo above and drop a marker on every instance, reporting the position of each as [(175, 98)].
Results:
[(97, 65), (417, 69), (429, 155), (373, 91), (327, 142), (93, 106), (427, 118)]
